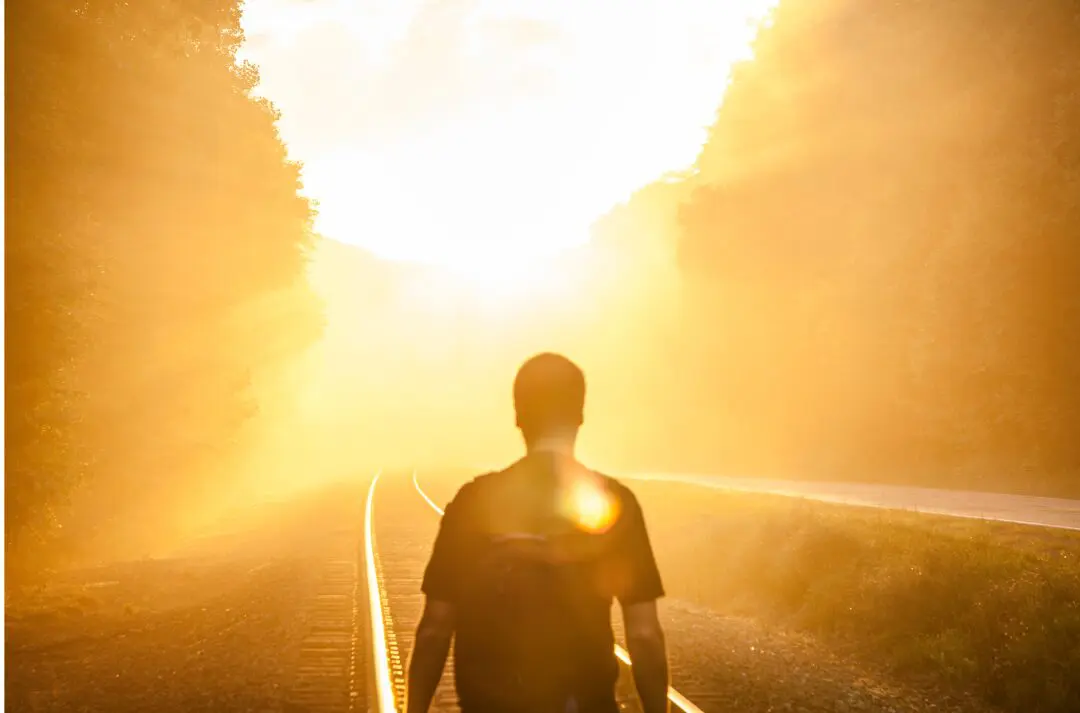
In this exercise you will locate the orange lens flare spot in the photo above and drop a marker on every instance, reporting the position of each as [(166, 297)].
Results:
[(589, 506)]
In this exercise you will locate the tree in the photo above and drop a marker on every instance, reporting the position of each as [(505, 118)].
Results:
[(156, 250), (880, 245)]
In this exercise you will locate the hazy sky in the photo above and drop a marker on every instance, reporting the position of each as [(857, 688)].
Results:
[(472, 131)]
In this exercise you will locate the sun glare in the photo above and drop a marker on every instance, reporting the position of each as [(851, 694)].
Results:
[(496, 285), (483, 138), (592, 508)]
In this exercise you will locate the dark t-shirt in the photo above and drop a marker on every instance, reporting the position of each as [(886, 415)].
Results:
[(531, 558)]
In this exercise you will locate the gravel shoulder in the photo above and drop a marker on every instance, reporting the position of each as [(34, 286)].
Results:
[(218, 625), (724, 663)]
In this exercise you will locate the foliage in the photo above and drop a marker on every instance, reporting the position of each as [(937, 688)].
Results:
[(882, 242), (981, 608), (156, 248)]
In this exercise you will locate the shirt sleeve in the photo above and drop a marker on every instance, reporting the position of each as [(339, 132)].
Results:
[(639, 579), (443, 571)]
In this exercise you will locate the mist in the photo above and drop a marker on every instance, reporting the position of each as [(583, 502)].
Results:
[(842, 251)]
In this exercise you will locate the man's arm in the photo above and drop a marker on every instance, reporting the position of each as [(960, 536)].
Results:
[(429, 653), (436, 628), (641, 586), (648, 652)]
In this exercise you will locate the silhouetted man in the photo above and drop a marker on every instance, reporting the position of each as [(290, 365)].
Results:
[(525, 567)]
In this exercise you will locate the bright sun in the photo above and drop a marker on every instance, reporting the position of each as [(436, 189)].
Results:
[(485, 139)]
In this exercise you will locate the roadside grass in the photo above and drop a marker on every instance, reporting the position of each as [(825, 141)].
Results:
[(988, 609)]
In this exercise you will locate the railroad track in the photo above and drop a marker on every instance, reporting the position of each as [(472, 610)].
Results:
[(394, 554)]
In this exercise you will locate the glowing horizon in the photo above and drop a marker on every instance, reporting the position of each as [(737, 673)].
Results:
[(479, 135)]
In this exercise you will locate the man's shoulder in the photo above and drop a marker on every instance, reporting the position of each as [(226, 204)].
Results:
[(491, 484), (617, 487), (490, 479), (474, 488), (479, 482), (611, 481)]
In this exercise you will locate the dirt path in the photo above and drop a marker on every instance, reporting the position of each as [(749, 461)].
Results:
[(222, 625)]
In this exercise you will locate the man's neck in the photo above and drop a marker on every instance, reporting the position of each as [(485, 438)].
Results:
[(559, 444)]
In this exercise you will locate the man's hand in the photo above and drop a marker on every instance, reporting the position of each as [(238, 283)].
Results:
[(428, 658), (648, 653)]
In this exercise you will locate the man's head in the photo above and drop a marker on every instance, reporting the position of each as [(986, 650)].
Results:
[(549, 396)]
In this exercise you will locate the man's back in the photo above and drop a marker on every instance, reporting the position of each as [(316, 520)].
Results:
[(524, 570), (531, 558)]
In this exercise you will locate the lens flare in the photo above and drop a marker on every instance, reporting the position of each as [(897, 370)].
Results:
[(590, 506)]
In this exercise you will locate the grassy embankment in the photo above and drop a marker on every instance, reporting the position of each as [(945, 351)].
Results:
[(989, 609)]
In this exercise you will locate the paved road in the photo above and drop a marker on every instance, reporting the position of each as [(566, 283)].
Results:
[(1022, 509)]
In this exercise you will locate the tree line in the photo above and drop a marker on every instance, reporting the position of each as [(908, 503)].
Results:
[(155, 253), (880, 248)]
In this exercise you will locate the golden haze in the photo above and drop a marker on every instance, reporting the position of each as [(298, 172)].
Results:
[(460, 225), (453, 250)]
